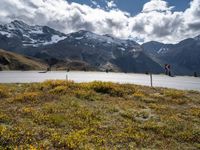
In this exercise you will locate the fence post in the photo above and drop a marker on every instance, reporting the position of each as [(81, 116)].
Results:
[(151, 79), (66, 77)]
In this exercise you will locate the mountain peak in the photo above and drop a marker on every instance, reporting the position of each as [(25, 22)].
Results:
[(83, 31), (18, 24), (197, 38), (35, 36), (31, 35)]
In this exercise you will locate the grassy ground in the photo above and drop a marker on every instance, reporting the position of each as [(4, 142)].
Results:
[(13, 61), (67, 115)]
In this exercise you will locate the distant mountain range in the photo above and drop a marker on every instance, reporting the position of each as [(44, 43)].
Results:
[(183, 56), (84, 50)]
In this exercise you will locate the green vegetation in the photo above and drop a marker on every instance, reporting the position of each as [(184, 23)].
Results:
[(67, 115)]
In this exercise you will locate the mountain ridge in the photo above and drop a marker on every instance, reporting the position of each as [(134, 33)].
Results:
[(102, 52), (31, 35), (183, 56)]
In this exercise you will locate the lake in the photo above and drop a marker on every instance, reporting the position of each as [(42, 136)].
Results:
[(178, 82)]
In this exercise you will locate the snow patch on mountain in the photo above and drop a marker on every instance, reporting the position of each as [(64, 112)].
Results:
[(31, 35), (197, 38), (123, 49), (37, 31), (36, 36), (79, 38), (162, 50), (55, 39), (7, 34), (93, 40)]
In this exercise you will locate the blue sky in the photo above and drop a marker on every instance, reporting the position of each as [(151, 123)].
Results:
[(135, 6)]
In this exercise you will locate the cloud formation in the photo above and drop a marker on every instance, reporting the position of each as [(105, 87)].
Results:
[(111, 4), (156, 5), (157, 20)]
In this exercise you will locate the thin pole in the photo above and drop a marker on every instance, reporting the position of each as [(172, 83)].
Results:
[(66, 77), (151, 79)]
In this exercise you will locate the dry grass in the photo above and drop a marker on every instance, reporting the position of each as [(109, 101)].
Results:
[(67, 115), (3, 92), (17, 62)]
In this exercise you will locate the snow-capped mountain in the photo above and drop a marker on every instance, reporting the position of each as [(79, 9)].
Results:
[(156, 48), (197, 38), (183, 56), (104, 39), (99, 51), (102, 52), (92, 40), (163, 50), (20, 35), (31, 35)]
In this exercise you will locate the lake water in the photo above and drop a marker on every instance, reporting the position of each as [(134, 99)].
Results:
[(179, 82)]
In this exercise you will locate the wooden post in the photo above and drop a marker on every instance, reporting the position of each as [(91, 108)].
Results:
[(66, 77), (151, 79), (195, 74)]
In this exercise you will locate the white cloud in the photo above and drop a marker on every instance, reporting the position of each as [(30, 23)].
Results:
[(192, 18), (156, 5), (157, 21), (95, 3), (111, 4)]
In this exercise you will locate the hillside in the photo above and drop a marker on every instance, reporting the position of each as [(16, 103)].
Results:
[(13, 61), (73, 65), (97, 115)]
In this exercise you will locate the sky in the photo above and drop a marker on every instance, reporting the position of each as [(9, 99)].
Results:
[(133, 6), (167, 21)]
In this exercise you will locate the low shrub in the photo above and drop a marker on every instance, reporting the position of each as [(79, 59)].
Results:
[(139, 95), (4, 118), (3, 92), (87, 95), (2, 130), (195, 112), (27, 110), (175, 94), (51, 84), (97, 115), (192, 136), (27, 97), (108, 88), (56, 119), (59, 90), (76, 138)]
